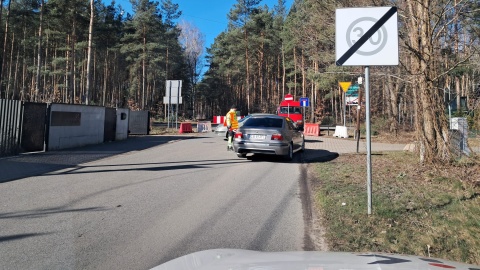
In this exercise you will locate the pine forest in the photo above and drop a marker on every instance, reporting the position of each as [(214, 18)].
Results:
[(87, 52)]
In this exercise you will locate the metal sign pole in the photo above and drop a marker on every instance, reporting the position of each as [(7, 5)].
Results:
[(169, 102), (359, 107), (178, 100), (449, 109), (304, 109), (344, 108), (369, 139)]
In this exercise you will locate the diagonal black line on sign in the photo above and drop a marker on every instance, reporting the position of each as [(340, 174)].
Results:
[(367, 35)]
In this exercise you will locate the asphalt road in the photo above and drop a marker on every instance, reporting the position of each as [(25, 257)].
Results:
[(138, 209)]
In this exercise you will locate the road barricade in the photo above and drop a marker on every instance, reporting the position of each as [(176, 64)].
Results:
[(341, 132), (310, 129), (204, 126), (219, 119), (185, 128)]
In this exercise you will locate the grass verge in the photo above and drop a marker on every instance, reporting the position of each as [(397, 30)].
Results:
[(418, 210), (157, 130)]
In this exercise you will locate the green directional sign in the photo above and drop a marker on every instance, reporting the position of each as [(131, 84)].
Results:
[(353, 90), (351, 96)]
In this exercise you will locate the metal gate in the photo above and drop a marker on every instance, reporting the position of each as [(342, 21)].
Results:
[(139, 123), (10, 126), (33, 126), (110, 124)]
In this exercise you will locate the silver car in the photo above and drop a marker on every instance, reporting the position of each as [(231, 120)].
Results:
[(221, 130), (268, 134)]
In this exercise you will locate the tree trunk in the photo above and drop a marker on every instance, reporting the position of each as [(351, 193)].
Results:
[(295, 71), (393, 97), (431, 124), (44, 82), (105, 77), (304, 75), (89, 53), (4, 53), (10, 68), (458, 91), (247, 67), (284, 74), (24, 74), (39, 53), (144, 67), (313, 98), (73, 68), (260, 68)]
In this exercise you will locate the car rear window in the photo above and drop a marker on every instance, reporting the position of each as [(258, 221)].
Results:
[(264, 122)]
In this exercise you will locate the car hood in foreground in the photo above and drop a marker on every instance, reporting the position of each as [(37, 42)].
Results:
[(236, 259)]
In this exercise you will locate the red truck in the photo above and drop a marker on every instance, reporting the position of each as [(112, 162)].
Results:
[(292, 109)]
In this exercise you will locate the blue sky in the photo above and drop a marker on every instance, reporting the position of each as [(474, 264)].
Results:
[(210, 16)]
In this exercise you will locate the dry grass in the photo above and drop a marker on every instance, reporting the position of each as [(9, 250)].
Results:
[(474, 142), (426, 211)]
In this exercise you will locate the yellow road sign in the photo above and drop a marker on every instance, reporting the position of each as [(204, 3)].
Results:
[(345, 85)]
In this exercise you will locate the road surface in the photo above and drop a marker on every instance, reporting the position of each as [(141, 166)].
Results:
[(138, 209)]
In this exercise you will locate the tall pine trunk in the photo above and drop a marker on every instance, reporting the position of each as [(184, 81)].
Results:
[(248, 71), (39, 53), (431, 122), (89, 56), (4, 53)]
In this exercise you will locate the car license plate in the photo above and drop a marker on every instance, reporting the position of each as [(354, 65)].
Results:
[(256, 137)]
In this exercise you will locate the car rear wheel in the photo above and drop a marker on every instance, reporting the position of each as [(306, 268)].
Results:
[(289, 156), (241, 155)]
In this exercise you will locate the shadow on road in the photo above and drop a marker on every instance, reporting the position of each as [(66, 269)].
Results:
[(318, 155), (308, 156), (38, 213), (19, 236), (312, 140), (154, 167), (34, 164)]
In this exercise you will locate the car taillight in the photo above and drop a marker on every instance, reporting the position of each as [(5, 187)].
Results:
[(299, 122), (277, 137), (238, 135)]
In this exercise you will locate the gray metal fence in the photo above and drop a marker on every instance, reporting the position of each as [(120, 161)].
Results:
[(463, 140), (11, 113), (474, 138)]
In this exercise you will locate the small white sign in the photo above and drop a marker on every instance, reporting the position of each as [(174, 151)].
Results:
[(166, 100), (381, 49), (173, 88)]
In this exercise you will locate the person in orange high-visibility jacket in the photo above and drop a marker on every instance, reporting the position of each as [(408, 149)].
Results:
[(232, 124)]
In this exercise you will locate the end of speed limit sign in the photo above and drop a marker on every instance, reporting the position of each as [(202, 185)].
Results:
[(366, 36)]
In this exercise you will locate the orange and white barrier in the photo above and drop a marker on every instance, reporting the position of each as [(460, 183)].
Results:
[(310, 129), (221, 119), (218, 119)]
